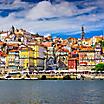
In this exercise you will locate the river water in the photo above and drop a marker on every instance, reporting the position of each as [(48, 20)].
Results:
[(51, 92)]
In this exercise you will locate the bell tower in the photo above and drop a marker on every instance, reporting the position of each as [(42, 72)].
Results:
[(83, 33)]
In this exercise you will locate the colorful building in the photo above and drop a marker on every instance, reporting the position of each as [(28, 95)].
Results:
[(87, 56), (62, 58), (26, 57), (98, 54), (12, 59), (72, 63), (87, 42), (3, 60), (96, 39), (39, 57)]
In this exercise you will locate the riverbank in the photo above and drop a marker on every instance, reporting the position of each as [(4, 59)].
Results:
[(18, 76)]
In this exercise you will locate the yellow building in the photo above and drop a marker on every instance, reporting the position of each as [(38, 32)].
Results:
[(25, 55), (38, 55), (35, 52)]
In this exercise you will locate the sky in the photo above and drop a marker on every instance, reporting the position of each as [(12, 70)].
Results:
[(60, 18)]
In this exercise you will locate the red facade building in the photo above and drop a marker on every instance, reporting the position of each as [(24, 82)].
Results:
[(72, 64)]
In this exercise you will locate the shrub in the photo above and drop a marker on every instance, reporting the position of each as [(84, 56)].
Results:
[(43, 77), (67, 77), (99, 67)]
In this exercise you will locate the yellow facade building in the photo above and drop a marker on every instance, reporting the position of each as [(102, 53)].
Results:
[(38, 56), (25, 55)]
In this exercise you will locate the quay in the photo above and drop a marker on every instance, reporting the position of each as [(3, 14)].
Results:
[(51, 76)]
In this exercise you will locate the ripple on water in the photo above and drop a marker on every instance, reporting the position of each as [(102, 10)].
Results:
[(51, 92)]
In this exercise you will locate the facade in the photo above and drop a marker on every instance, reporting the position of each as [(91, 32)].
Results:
[(98, 54), (72, 63), (87, 42), (3, 35), (26, 57), (13, 59), (3, 59), (72, 41), (39, 57), (50, 55), (96, 39), (87, 56), (21, 50), (2, 46), (62, 58)]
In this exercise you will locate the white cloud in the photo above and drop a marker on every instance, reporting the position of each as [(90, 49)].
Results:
[(17, 1), (15, 5), (35, 26), (45, 9), (42, 9)]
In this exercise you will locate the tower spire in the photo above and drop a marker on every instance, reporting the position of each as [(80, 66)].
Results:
[(83, 33)]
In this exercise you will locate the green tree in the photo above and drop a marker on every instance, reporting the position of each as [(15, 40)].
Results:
[(67, 77), (101, 43), (43, 77), (99, 67)]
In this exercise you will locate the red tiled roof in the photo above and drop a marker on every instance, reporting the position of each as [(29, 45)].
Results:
[(12, 44), (86, 48), (47, 44), (3, 32), (73, 58), (14, 50), (75, 52), (75, 45), (1, 43), (63, 50), (3, 54), (83, 63)]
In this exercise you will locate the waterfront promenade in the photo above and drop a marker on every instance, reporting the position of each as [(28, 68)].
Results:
[(51, 75)]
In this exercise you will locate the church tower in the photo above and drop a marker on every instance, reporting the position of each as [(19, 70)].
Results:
[(83, 33)]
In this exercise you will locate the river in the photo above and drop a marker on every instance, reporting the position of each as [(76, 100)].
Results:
[(51, 92)]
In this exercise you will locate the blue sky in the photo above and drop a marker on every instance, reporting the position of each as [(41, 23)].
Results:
[(60, 18)]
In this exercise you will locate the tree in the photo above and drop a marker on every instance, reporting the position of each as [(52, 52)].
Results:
[(67, 77), (99, 67), (101, 43), (43, 77)]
